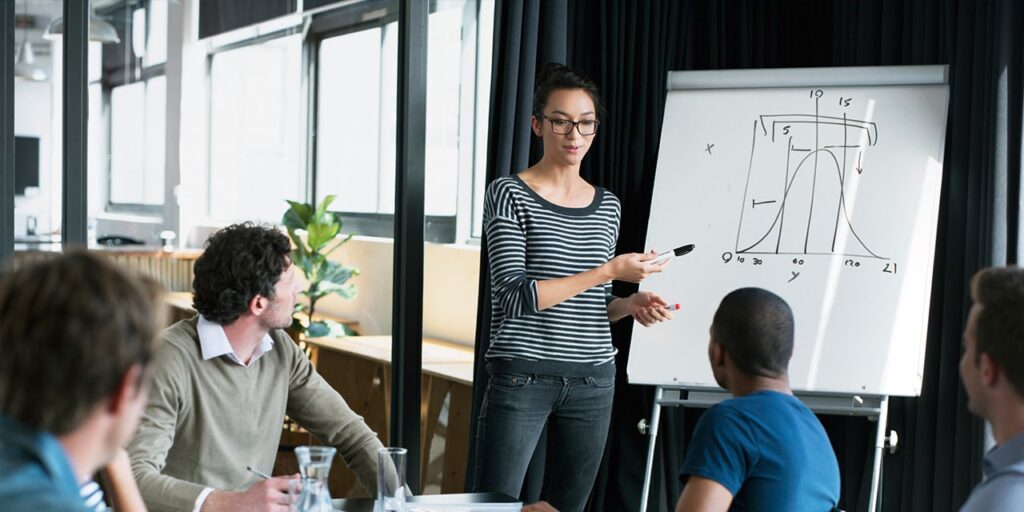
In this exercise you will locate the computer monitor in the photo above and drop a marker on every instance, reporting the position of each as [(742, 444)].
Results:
[(26, 163)]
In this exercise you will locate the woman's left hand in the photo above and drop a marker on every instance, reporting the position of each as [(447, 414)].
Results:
[(648, 308)]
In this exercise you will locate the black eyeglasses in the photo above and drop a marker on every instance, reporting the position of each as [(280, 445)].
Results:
[(564, 126)]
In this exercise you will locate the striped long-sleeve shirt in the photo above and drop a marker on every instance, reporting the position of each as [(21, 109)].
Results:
[(530, 239)]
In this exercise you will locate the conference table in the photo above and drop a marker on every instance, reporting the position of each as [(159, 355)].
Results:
[(437, 503)]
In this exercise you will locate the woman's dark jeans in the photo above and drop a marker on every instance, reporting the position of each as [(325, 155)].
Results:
[(516, 406)]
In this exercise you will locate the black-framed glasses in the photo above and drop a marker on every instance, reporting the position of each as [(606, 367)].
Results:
[(564, 126)]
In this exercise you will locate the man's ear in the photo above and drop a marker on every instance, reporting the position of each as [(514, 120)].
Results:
[(258, 304), (716, 353), (989, 370), (127, 390)]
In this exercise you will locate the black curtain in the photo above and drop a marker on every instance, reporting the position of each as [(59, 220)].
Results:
[(979, 227), (629, 46), (527, 35)]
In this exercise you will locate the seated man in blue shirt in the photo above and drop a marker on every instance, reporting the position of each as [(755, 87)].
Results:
[(76, 334), (762, 449), (992, 369)]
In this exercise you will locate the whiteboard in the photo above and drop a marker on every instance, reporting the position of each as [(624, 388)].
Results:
[(821, 185)]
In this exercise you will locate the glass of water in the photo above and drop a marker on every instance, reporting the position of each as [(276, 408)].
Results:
[(314, 466), (391, 480)]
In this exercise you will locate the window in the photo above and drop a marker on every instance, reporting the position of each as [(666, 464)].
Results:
[(444, 42), (130, 94), (137, 149), (485, 44), (349, 127), (256, 133), (356, 117)]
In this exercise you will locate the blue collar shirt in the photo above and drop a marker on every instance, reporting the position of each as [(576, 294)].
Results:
[(35, 473), (1003, 486)]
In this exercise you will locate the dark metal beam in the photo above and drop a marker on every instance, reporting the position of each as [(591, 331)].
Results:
[(6, 133), (76, 116), (407, 311)]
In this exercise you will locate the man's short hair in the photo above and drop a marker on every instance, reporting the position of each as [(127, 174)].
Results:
[(70, 329), (999, 326), (238, 263), (755, 327)]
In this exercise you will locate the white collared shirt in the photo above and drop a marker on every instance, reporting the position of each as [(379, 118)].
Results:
[(214, 343)]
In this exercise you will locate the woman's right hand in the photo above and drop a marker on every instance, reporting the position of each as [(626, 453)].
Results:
[(634, 267)]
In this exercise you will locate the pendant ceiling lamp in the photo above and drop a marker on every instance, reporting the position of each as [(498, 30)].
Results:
[(99, 30)]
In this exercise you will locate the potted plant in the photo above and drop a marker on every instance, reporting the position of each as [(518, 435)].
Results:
[(322, 237)]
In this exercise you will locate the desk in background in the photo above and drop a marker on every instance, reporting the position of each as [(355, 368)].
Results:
[(360, 368)]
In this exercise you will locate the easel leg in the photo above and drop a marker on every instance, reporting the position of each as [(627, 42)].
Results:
[(653, 433), (875, 500)]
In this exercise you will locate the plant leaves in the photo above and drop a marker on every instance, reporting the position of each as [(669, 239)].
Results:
[(339, 244), (319, 236), (293, 221), (318, 329), (345, 291), (322, 208), (301, 258), (320, 228), (335, 273), (326, 202), (302, 215)]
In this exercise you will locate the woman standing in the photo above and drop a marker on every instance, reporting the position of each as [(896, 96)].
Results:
[(551, 240)]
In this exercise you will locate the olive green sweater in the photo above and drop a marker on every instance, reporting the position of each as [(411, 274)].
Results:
[(207, 420)]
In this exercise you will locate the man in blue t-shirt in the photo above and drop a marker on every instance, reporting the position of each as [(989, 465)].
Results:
[(762, 449)]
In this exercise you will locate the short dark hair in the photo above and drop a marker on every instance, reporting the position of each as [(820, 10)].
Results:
[(70, 329), (238, 263), (554, 76), (755, 327), (999, 326)]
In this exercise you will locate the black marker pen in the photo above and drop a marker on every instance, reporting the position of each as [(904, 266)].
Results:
[(678, 251)]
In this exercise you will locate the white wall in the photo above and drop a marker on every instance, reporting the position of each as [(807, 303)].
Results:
[(451, 274), (32, 117)]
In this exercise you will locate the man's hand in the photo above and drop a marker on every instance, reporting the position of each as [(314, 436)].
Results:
[(540, 506), (269, 495)]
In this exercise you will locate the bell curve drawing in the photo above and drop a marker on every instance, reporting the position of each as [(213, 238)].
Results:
[(821, 185), (803, 170)]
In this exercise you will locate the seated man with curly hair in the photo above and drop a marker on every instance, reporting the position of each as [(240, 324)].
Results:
[(224, 380)]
